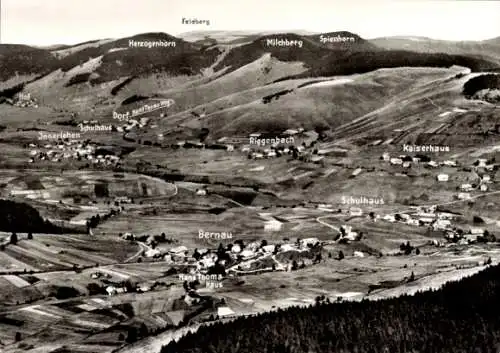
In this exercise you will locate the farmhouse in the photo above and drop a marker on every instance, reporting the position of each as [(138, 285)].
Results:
[(224, 311), (442, 177), (396, 161), (272, 225), (476, 231), (483, 187), (357, 172), (355, 211), (309, 242)]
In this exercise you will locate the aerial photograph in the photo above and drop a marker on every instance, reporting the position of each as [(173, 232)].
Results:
[(249, 176)]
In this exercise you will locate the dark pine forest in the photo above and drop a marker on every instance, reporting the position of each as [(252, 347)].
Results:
[(461, 317)]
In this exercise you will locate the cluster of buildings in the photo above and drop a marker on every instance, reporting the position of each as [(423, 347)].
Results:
[(347, 234), (439, 221), (273, 151), (133, 123), (264, 148), (71, 149), (233, 256), (423, 216), (23, 100), (480, 179), (406, 161)]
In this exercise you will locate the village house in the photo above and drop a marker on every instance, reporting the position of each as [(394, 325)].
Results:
[(271, 154), (152, 253), (269, 248), (236, 249), (247, 254), (287, 247), (112, 290), (466, 187), (144, 287), (425, 220), (481, 162), (356, 172), (441, 224), (463, 196), (205, 263), (179, 250), (412, 222), (396, 161), (432, 164), (483, 187), (476, 231), (253, 246), (473, 234), (355, 211), (201, 192), (389, 218)]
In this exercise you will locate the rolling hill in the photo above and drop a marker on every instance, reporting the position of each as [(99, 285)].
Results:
[(229, 83), (489, 49), (118, 59), (18, 60)]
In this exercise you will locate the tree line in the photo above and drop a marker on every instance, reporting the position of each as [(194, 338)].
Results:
[(461, 317)]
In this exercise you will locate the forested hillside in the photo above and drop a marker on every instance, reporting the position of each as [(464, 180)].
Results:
[(489, 81), (20, 217), (462, 317)]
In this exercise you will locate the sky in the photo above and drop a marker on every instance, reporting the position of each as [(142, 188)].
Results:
[(47, 22)]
